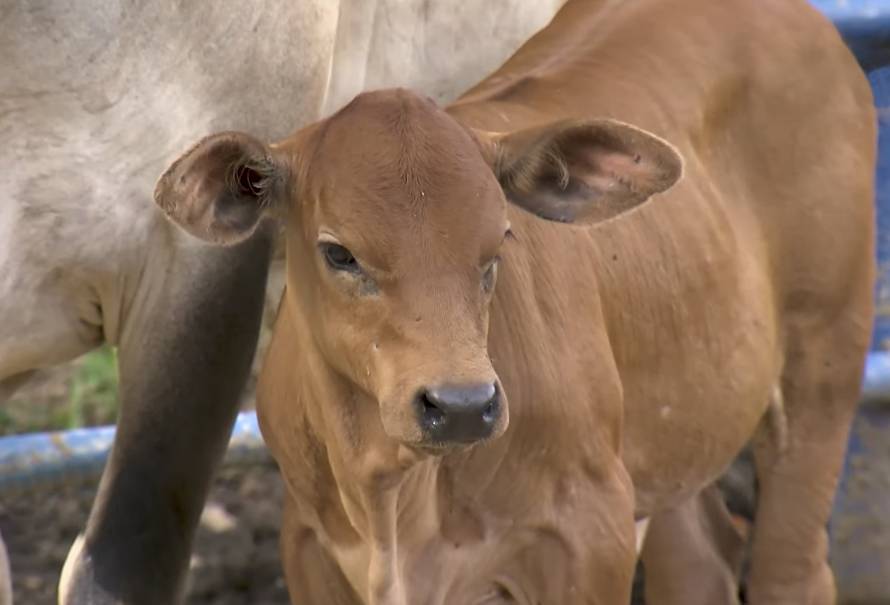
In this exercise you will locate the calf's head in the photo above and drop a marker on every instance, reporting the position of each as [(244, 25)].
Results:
[(395, 215)]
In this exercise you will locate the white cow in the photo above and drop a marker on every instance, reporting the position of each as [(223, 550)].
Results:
[(95, 99)]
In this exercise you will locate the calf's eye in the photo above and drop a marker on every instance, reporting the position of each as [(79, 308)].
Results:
[(339, 258)]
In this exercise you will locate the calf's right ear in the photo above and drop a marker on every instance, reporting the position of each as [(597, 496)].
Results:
[(220, 189)]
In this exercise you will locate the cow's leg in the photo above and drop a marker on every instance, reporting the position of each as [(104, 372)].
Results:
[(799, 451), (313, 578), (615, 562), (612, 544), (10, 385), (47, 316), (5, 576), (184, 356), (693, 553)]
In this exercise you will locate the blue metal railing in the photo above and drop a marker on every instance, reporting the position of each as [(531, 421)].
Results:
[(35, 459), (865, 26)]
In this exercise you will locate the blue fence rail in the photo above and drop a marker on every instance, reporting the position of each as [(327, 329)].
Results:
[(34, 460), (860, 521)]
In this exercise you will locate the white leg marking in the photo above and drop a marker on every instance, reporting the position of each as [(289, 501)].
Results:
[(642, 525)]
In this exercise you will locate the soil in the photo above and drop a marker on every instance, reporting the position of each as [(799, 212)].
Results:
[(235, 559)]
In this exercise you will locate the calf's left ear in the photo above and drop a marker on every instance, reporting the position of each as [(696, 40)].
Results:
[(581, 172), (220, 189)]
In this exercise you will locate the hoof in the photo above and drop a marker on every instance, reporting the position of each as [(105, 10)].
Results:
[(78, 586)]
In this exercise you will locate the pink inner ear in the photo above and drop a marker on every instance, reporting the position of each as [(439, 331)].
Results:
[(585, 172), (608, 170)]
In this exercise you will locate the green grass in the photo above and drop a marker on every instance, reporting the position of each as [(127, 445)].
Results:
[(84, 394), (92, 397)]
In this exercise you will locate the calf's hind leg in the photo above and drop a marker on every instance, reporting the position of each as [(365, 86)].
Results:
[(799, 451), (693, 554)]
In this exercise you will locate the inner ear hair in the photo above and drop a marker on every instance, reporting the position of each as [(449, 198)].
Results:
[(521, 170), (253, 177)]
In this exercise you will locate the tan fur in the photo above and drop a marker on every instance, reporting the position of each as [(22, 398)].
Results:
[(636, 357)]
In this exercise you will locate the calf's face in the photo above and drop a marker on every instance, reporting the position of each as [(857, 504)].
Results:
[(395, 217)]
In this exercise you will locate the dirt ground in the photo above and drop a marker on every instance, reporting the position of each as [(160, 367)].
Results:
[(235, 560)]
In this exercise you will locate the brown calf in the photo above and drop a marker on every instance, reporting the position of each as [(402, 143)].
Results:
[(710, 290)]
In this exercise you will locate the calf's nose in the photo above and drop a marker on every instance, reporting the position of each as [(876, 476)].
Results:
[(459, 413)]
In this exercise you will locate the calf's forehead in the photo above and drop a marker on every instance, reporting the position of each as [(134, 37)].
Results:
[(393, 168)]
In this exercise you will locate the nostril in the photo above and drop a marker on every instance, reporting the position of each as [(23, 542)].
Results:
[(433, 414), (490, 413)]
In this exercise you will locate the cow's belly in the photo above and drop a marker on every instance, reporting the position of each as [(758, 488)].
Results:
[(686, 419)]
